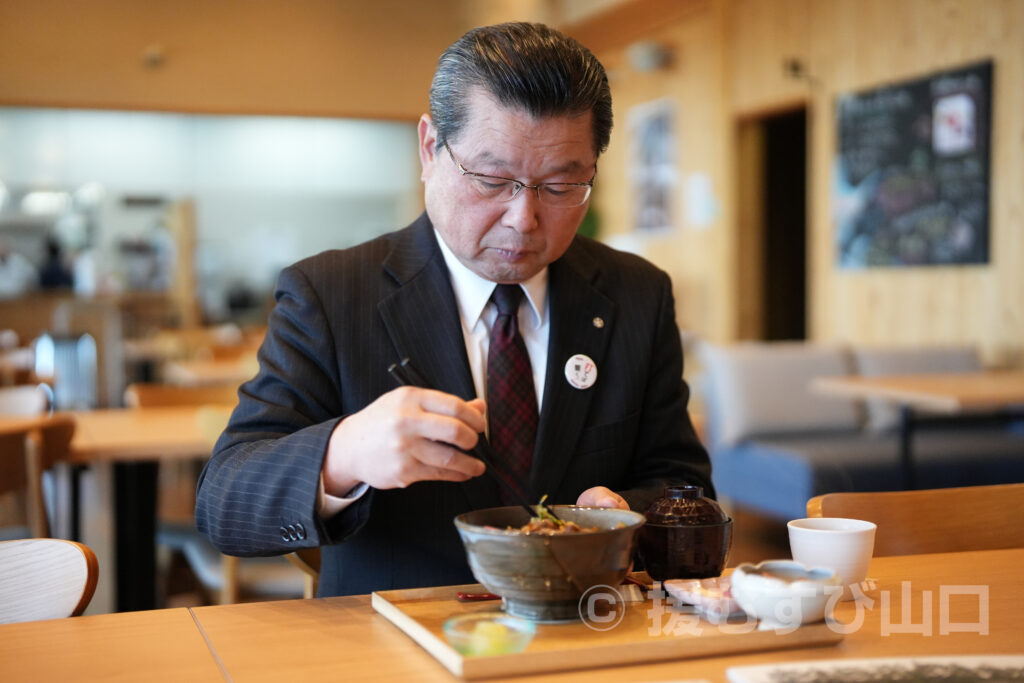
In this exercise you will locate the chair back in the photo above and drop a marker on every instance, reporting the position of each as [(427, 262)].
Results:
[(29, 447), (26, 399), (16, 365), (45, 578), (308, 560), (933, 520)]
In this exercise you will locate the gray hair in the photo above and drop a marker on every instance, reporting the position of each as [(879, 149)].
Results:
[(525, 66)]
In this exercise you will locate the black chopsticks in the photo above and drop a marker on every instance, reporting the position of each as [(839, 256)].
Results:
[(406, 375)]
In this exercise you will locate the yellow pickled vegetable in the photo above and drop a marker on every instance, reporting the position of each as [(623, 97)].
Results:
[(489, 638)]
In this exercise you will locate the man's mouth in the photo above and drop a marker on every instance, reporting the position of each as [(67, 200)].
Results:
[(510, 254)]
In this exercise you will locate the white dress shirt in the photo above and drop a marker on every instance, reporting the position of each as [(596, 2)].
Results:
[(478, 313)]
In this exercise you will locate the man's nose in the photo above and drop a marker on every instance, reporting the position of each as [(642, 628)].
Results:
[(522, 211)]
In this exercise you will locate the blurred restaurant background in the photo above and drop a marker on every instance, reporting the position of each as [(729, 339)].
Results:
[(161, 162)]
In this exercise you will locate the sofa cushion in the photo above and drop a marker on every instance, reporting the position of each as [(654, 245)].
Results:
[(778, 475), (764, 388), (883, 415)]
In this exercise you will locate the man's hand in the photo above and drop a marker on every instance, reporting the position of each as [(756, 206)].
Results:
[(601, 497), (404, 437)]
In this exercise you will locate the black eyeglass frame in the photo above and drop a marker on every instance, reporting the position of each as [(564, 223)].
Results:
[(518, 185)]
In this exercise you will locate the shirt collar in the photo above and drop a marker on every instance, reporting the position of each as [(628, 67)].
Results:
[(472, 292)]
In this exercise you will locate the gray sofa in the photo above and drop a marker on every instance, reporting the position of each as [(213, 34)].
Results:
[(775, 443)]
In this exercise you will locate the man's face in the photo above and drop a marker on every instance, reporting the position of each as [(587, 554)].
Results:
[(506, 241)]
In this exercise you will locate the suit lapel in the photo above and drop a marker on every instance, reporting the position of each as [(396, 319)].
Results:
[(422, 320), (575, 306)]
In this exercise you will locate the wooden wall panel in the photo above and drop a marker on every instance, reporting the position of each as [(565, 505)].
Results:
[(705, 291), (860, 45), (762, 37), (729, 67), (315, 57)]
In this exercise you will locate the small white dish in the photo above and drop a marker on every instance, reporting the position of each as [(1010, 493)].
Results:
[(711, 596), (783, 594)]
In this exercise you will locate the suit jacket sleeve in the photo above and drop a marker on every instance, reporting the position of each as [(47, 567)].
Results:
[(257, 494)]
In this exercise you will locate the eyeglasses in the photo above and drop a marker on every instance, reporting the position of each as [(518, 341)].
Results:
[(496, 188)]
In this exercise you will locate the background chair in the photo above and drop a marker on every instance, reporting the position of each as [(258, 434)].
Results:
[(26, 399), (225, 578), (16, 364), (28, 449), (934, 520), (45, 578), (308, 560)]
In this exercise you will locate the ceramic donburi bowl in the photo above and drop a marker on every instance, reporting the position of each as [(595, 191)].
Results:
[(543, 577)]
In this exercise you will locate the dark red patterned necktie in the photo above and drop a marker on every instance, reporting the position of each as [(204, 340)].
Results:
[(511, 396)]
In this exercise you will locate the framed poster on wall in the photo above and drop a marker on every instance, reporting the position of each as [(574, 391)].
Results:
[(911, 178), (653, 168)]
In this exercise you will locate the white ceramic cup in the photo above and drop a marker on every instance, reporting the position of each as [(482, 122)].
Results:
[(844, 545)]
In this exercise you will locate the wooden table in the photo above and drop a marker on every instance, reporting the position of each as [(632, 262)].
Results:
[(158, 645), (344, 639), (974, 396), (134, 434), (136, 440)]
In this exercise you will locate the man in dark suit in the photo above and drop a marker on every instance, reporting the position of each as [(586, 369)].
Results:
[(324, 450)]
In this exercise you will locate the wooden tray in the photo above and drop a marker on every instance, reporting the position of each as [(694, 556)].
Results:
[(641, 636)]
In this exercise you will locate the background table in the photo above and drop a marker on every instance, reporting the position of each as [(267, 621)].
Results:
[(136, 440), (948, 393), (975, 396), (133, 434)]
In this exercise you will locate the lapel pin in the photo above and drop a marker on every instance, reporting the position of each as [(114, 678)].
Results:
[(580, 370), (598, 322)]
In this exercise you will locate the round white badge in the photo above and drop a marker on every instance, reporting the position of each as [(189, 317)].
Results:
[(581, 371)]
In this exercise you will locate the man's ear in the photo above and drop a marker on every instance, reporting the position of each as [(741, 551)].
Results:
[(428, 145)]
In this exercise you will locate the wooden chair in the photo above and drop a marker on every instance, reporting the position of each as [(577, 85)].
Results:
[(28, 447), (229, 578), (17, 366), (26, 399), (308, 560), (933, 520), (45, 578)]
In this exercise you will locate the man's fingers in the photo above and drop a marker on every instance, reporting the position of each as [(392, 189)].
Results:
[(601, 496), (438, 416), (444, 458), (439, 403)]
